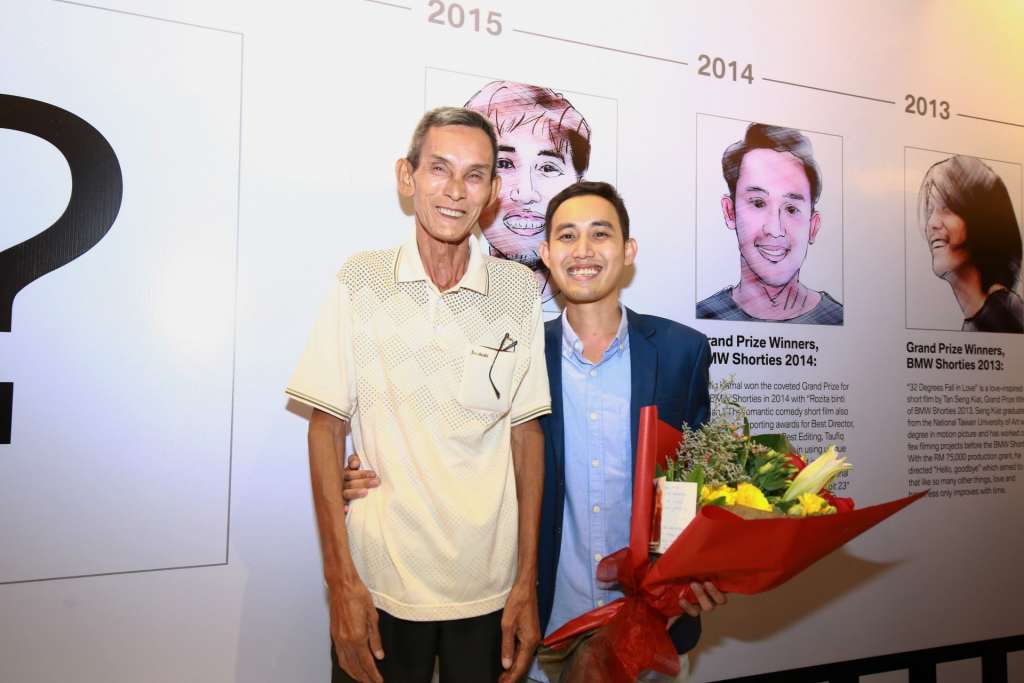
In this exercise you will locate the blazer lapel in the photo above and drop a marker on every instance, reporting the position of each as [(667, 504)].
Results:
[(553, 355), (643, 363)]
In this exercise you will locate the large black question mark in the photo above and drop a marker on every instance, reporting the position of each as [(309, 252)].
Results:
[(96, 189)]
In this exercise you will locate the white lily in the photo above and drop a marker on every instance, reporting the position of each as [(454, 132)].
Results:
[(817, 475)]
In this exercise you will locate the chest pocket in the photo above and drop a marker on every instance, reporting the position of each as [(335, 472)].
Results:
[(487, 376)]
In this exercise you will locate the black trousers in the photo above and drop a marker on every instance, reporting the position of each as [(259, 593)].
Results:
[(469, 650)]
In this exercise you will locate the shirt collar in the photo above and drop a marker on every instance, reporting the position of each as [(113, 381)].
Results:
[(571, 344), (409, 267)]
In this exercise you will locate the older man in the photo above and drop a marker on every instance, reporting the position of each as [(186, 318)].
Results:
[(432, 352)]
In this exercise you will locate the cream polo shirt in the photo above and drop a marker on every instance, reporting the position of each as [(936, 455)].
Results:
[(432, 383)]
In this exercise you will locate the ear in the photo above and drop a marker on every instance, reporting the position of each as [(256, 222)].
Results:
[(495, 189), (729, 212), (815, 226), (403, 174), (545, 253), (630, 252)]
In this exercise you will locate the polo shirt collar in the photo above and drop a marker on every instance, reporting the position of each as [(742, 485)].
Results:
[(409, 267)]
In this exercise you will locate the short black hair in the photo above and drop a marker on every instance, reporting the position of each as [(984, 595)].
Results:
[(777, 139), (585, 188)]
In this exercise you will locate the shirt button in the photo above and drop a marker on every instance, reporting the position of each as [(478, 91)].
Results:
[(597, 508), (595, 462), (593, 417), (577, 346), (593, 373), (597, 557), (600, 603)]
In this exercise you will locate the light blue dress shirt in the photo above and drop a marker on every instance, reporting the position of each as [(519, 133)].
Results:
[(598, 473)]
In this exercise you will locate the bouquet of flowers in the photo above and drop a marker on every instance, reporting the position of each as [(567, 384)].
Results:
[(765, 515), (753, 475)]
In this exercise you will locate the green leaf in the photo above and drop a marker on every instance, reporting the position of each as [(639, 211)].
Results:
[(697, 476), (784, 505), (777, 442)]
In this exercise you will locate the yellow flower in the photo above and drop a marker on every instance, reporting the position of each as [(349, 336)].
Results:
[(708, 494), (812, 503), (750, 496)]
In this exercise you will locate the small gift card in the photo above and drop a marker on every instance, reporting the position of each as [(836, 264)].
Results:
[(675, 506)]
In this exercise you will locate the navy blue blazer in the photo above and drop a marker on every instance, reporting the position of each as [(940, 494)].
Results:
[(669, 365)]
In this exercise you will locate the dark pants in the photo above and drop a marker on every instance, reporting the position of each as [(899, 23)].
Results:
[(469, 650)]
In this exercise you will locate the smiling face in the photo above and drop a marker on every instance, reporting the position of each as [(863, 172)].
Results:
[(946, 234), (586, 252), (452, 183), (533, 170), (772, 215)]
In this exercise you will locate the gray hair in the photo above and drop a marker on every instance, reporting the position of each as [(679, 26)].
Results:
[(451, 116)]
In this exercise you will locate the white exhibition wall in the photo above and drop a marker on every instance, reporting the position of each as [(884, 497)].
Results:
[(155, 516)]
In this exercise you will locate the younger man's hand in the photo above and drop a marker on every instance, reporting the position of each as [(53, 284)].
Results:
[(708, 598), (356, 483)]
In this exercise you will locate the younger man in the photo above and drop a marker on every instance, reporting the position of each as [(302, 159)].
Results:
[(604, 362)]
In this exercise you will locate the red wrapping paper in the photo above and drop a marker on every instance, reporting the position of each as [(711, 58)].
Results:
[(738, 555)]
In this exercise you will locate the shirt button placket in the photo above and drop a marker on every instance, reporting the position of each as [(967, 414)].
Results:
[(595, 440), (433, 305), (440, 317)]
